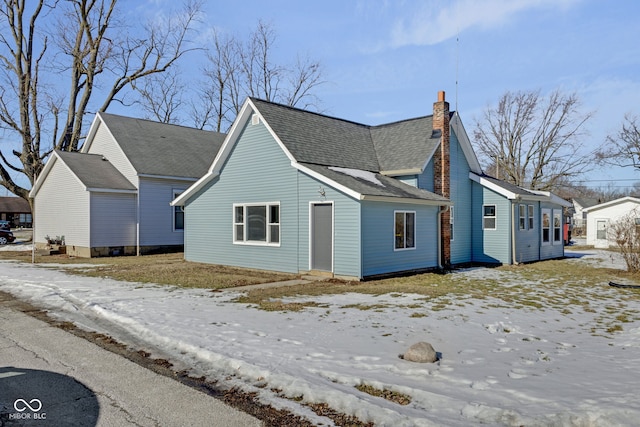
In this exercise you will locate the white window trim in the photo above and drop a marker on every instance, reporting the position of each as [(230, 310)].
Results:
[(495, 216), (550, 228), (560, 240), (415, 220), (176, 193), (522, 217), (452, 222), (531, 215), (244, 240)]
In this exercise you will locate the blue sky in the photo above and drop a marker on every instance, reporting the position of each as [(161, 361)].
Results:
[(386, 60)]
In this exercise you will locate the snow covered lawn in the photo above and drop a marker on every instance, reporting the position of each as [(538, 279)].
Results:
[(562, 359)]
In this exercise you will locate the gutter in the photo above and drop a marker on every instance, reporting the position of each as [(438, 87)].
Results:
[(442, 210), (514, 259)]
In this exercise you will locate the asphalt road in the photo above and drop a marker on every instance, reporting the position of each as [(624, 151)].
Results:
[(49, 377)]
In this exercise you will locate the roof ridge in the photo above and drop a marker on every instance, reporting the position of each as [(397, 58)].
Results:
[(120, 116)]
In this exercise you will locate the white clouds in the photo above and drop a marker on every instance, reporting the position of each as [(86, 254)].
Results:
[(432, 24)]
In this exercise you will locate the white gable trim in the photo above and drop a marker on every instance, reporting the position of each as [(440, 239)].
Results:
[(43, 175), (465, 144), (503, 191), (612, 203), (245, 116), (349, 192)]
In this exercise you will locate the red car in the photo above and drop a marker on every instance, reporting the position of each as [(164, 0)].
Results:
[(6, 237)]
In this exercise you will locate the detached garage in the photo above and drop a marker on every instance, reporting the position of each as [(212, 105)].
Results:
[(600, 217)]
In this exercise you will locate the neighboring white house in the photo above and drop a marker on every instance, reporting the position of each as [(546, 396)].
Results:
[(600, 217), (579, 217), (113, 197)]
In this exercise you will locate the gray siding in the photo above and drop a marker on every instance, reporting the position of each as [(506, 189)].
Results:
[(113, 219), (378, 231), (528, 239), (103, 143), (491, 246), (462, 202), (257, 171), (347, 230), (62, 208), (156, 213)]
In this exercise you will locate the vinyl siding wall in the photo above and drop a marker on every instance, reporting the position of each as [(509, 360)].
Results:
[(462, 203), (113, 219), (103, 143), (346, 233), (610, 214), (491, 246), (62, 208), (156, 213), (528, 239), (257, 171), (378, 245)]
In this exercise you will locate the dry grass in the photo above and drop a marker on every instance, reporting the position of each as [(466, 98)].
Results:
[(165, 269)]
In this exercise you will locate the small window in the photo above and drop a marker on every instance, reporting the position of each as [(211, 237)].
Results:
[(489, 217), (531, 217), (546, 226), (522, 212), (405, 230), (557, 226), (451, 221), (256, 223), (178, 214)]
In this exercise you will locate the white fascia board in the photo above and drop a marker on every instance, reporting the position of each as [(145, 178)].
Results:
[(197, 186), (168, 177), (406, 200), (465, 143), (401, 172), (95, 124), (611, 203), (492, 186), (45, 171), (349, 192), (553, 198), (110, 190)]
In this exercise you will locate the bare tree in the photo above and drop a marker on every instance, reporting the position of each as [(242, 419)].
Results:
[(93, 50), (625, 233), (623, 148), (161, 96), (533, 141), (236, 70)]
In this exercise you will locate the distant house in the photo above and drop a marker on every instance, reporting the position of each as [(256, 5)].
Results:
[(296, 191), (113, 197), (601, 216), (579, 217), (16, 210)]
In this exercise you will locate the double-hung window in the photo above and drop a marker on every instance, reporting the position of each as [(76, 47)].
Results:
[(531, 217), (546, 226), (405, 230), (451, 220), (557, 226), (489, 217), (522, 213), (256, 223), (178, 214)]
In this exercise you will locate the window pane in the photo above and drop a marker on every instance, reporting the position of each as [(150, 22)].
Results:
[(490, 210), (274, 229), (179, 218), (274, 214), (490, 223), (410, 230), (399, 230), (257, 223), (239, 232), (239, 214)]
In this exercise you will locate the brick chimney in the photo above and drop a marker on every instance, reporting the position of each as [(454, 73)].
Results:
[(442, 182)]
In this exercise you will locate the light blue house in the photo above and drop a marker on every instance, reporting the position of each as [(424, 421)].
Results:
[(295, 191)]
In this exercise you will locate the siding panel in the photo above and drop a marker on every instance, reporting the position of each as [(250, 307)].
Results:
[(156, 213), (491, 246), (113, 219)]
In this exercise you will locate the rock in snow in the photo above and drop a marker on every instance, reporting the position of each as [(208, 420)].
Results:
[(421, 352)]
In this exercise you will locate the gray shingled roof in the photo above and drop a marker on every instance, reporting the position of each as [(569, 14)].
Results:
[(95, 172), (162, 149), (373, 184), (405, 145), (13, 204), (323, 140), (512, 188)]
